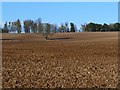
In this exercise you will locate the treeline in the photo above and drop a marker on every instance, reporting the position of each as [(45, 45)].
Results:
[(30, 26), (94, 27)]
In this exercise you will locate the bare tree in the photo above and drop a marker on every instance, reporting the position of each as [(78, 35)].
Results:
[(62, 28), (39, 25), (18, 26), (54, 28), (66, 27), (47, 30)]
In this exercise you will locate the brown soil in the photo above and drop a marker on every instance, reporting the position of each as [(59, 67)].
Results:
[(68, 60)]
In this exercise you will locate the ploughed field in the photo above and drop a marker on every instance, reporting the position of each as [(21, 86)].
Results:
[(66, 60)]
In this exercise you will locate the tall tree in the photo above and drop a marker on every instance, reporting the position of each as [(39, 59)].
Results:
[(18, 25), (27, 26), (34, 27), (9, 26), (13, 27), (62, 28), (54, 28), (72, 29), (83, 27), (66, 27), (5, 29), (5, 26), (47, 30), (40, 25), (75, 28)]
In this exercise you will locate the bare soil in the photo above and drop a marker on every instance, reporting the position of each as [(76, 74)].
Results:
[(66, 60)]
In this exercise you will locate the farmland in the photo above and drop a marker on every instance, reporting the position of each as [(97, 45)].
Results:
[(66, 60)]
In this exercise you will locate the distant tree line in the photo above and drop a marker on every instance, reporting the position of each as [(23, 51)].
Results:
[(30, 26), (94, 27)]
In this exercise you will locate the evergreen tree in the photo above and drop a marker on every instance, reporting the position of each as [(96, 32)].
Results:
[(72, 29)]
